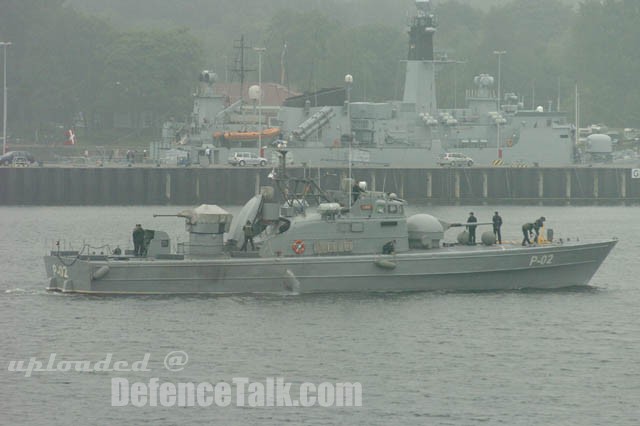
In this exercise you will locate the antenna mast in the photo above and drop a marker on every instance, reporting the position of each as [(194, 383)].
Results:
[(240, 68)]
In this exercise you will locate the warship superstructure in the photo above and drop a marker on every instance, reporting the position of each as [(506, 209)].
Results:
[(328, 128)]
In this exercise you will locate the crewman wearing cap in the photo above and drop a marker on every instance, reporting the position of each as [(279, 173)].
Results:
[(138, 240), (472, 228), (497, 224), (537, 225)]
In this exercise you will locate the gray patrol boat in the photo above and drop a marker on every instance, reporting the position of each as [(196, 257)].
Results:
[(313, 240), (329, 128)]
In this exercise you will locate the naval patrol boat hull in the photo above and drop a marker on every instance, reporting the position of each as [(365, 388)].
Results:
[(455, 268)]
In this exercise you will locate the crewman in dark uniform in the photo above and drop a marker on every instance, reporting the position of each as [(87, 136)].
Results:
[(527, 231), (389, 247), (248, 236), (138, 240), (497, 224), (355, 191), (537, 225), (472, 228)]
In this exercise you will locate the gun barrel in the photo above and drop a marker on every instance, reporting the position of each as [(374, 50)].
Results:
[(458, 225), (471, 223)]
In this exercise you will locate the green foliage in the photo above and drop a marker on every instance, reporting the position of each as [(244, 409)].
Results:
[(368, 55), (528, 32), (150, 71), (459, 36), (309, 37), (64, 60), (321, 51), (604, 41)]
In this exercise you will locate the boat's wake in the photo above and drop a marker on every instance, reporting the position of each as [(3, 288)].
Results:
[(291, 283), (19, 291)]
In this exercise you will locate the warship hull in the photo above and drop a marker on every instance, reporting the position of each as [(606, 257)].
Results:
[(529, 152), (456, 268)]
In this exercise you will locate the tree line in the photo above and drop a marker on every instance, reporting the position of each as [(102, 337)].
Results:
[(93, 62)]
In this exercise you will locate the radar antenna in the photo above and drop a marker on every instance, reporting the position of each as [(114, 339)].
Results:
[(240, 68), (295, 190)]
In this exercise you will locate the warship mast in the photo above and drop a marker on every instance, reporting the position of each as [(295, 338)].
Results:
[(240, 67), (419, 85)]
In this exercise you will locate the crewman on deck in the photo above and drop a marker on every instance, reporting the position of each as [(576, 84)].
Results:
[(248, 236), (472, 228), (355, 191), (389, 247), (497, 224), (138, 240), (527, 231), (537, 225)]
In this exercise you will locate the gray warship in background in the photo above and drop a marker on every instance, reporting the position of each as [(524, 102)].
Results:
[(309, 240), (325, 128)]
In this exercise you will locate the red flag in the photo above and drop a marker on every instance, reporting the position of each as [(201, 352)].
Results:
[(71, 137)]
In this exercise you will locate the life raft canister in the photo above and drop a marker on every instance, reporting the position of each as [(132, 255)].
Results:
[(298, 246)]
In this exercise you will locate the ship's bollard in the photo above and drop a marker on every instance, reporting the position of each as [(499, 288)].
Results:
[(463, 237), (488, 238)]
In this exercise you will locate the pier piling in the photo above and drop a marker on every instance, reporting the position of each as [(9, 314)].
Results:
[(233, 186)]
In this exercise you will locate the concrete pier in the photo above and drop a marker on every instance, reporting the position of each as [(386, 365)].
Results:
[(233, 186)]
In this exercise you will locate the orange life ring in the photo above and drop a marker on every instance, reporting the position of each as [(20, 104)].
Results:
[(298, 246), (509, 142)]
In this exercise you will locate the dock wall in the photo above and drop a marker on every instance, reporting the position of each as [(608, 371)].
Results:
[(233, 186)]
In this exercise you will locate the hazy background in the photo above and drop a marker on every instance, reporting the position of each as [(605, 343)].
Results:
[(86, 61)]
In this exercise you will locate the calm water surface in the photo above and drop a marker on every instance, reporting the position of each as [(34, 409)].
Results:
[(569, 357)]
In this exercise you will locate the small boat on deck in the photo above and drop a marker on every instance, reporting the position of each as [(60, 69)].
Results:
[(270, 133)]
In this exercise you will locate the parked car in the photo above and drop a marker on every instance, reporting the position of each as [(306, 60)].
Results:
[(246, 159), (20, 162), (455, 159), (9, 157)]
